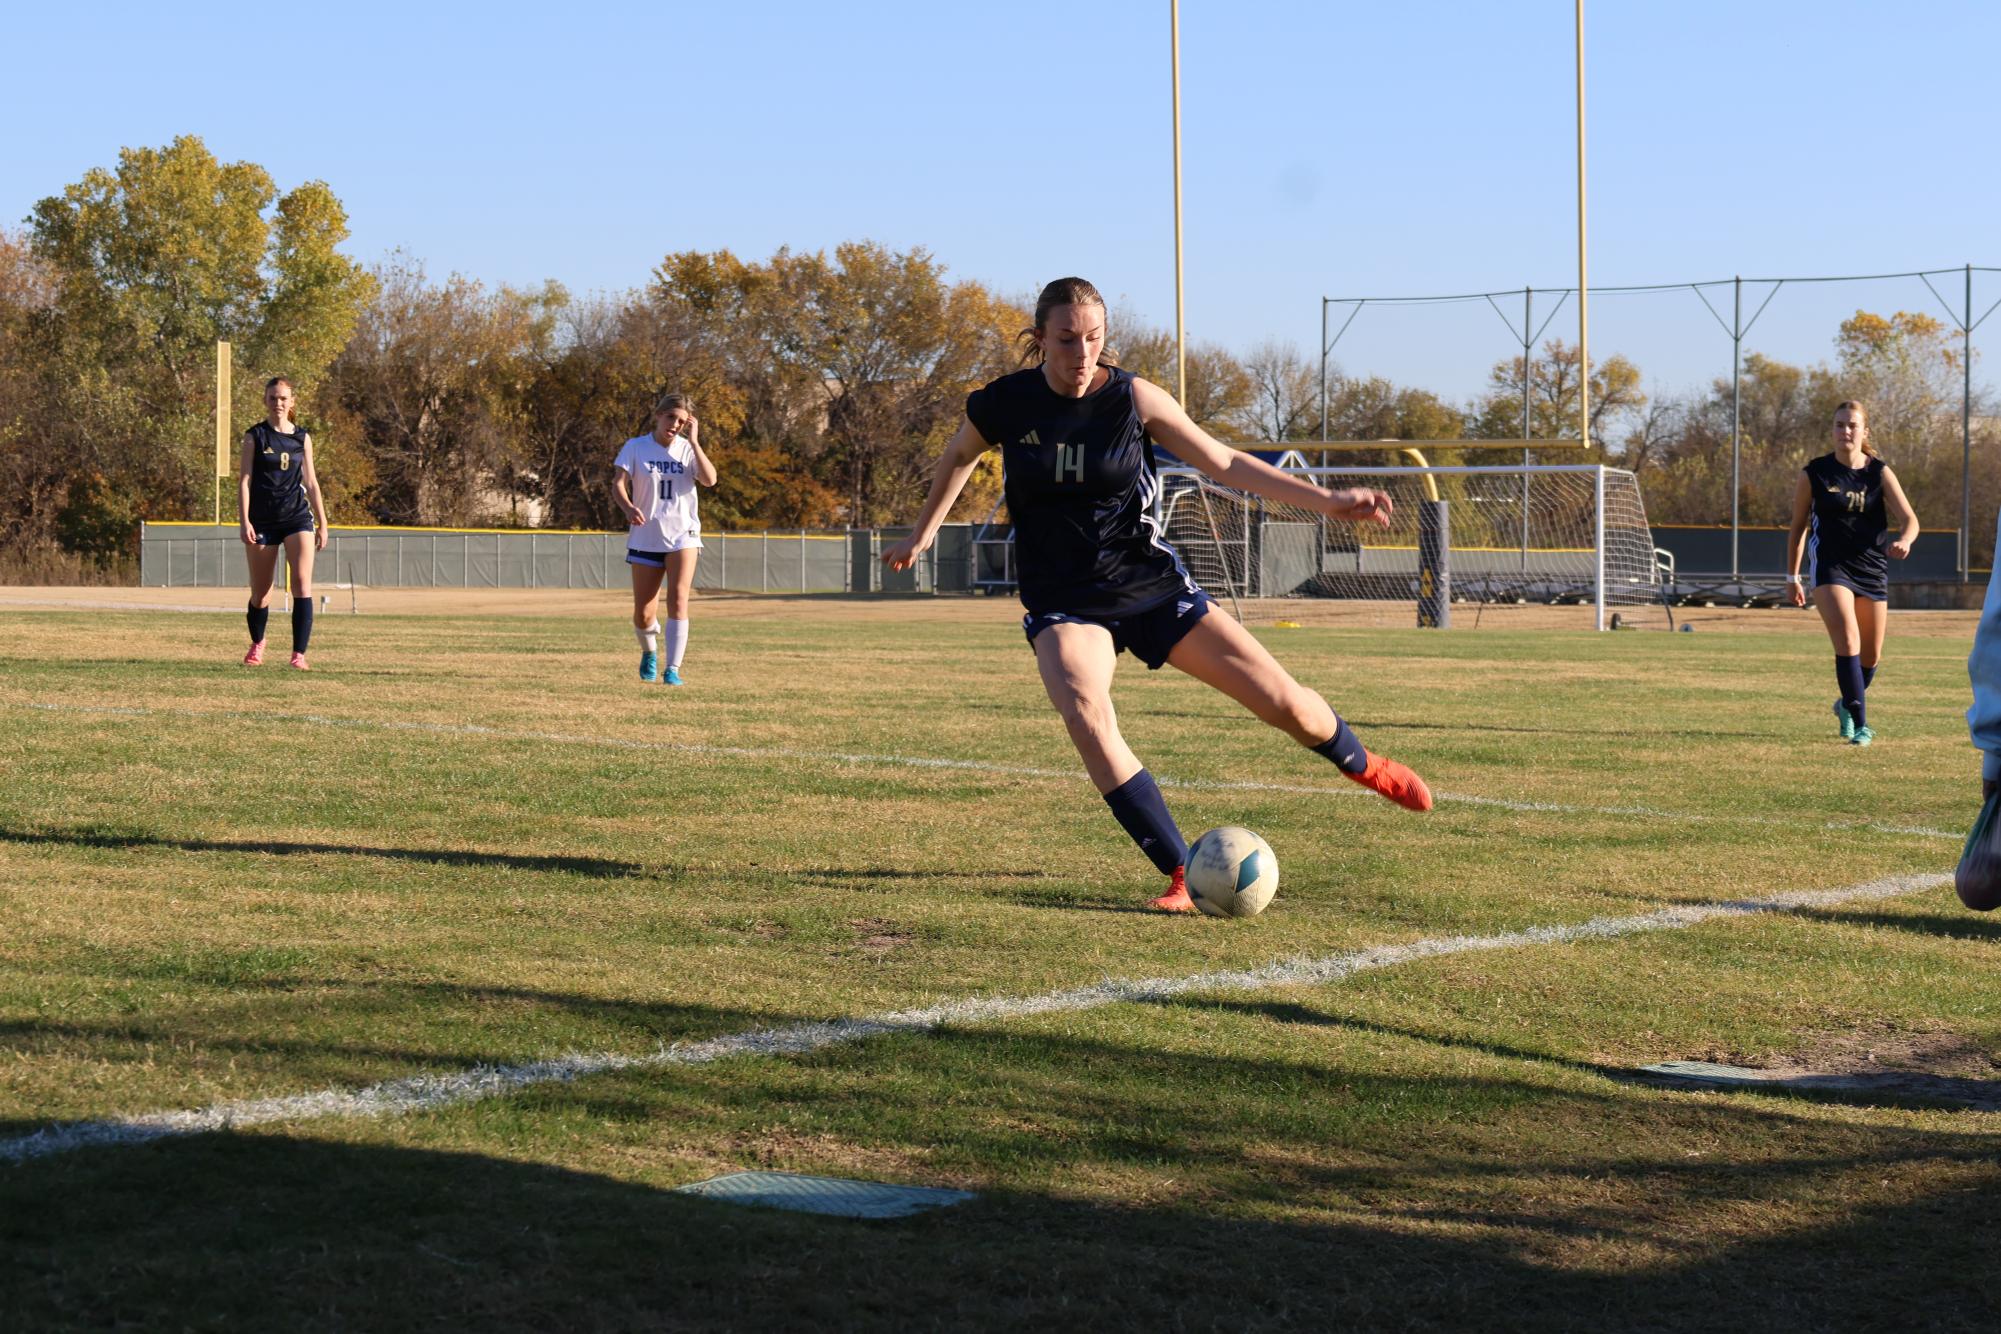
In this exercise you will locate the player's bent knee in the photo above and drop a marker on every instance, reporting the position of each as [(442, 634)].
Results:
[(1087, 718)]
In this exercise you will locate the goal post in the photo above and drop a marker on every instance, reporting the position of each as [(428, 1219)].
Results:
[(1496, 537)]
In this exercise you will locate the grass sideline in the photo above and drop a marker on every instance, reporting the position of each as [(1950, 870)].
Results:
[(474, 839)]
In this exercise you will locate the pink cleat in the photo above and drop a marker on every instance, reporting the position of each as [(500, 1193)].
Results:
[(1176, 899), (1396, 782), (299, 661), (255, 657)]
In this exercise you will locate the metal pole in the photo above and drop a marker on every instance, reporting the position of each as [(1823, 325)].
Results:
[(1528, 371), (1966, 437), (1180, 322), (1323, 375), (1736, 412), (1583, 297), (1598, 541), (222, 432), (1528, 383)]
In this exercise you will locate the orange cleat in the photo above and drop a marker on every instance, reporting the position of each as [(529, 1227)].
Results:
[(1395, 781), (255, 657), (1176, 898), (299, 661)]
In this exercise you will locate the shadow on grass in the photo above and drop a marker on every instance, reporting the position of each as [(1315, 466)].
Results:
[(1071, 901), (866, 873), (1967, 926), (1121, 1187), (1892, 1088), (597, 868)]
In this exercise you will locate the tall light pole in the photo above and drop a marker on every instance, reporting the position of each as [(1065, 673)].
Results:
[(1583, 296), (1180, 326)]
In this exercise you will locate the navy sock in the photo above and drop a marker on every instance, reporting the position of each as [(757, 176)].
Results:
[(1868, 677), (1848, 675), (1344, 749), (258, 617), (302, 624), (1140, 809)]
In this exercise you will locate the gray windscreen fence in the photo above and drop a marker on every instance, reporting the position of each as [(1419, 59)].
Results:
[(189, 555)]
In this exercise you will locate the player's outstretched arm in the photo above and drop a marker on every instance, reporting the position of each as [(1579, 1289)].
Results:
[(1173, 430), (955, 465), (1796, 539), (1900, 509)]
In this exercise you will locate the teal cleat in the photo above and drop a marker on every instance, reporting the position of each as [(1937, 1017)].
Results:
[(1863, 736), (1847, 720), (672, 676), (649, 667)]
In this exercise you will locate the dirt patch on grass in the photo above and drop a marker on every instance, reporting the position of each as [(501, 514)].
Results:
[(877, 937), (1884, 1048), (1879, 1059)]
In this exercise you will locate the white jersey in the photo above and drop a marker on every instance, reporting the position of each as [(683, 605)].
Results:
[(663, 489)]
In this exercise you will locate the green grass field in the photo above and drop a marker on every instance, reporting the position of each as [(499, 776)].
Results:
[(478, 841)]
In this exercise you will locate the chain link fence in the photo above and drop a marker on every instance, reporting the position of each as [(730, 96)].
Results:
[(201, 555)]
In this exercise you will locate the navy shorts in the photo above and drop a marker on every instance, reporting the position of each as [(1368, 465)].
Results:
[(272, 533), (1863, 582), (1149, 635), (657, 560)]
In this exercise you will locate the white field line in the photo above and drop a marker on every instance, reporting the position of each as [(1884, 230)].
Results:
[(424, 1093), (974, 766)]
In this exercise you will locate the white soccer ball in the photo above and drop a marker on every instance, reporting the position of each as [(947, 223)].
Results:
[(1232, 872)]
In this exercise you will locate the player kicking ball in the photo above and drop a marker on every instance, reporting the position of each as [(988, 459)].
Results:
[(654, 480), (1077, 436)]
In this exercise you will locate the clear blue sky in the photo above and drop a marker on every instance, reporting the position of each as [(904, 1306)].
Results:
[(1328, 148)]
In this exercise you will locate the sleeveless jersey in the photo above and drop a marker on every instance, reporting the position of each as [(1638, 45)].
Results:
[(1081, 490), (663, 489), (1849, 522), (277, 475)]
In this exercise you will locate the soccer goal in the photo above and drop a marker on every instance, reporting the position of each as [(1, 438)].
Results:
[(1514, 542)]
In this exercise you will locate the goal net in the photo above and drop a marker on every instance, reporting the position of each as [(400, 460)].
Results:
[(1511, 542)]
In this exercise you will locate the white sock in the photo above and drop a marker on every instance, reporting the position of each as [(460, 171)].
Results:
[(649, 638), (677, 641)]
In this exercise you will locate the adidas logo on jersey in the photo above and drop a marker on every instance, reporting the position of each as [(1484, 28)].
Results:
[(1030, 439)]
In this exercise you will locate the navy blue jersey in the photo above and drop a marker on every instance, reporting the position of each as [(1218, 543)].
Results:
[(277, 475), (1081, 489), (1849, 521)]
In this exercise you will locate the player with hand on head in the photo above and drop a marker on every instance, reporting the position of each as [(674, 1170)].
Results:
[(279, 508), (654, 480), (1841, 523), (1077, 438)]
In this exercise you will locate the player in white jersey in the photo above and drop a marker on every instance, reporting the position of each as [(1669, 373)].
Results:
[(655, 479)]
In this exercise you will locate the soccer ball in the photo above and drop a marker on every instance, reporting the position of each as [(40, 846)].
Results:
[(1232, 872)]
